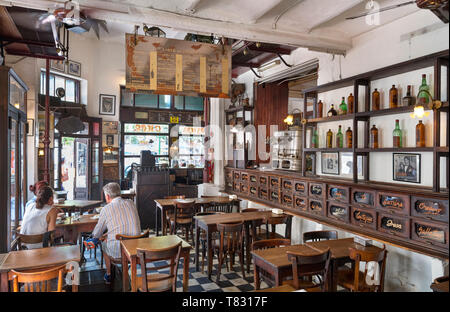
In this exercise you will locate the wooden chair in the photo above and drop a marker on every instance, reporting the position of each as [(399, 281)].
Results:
[(218, 207), (273, 222), (305, 267), (266, 244), (355, 280), (202, 237), (228, 244), (40, 280), (255, 229), (183, 217), (170, 212), (46, 239), (158, 282), (316, 236)]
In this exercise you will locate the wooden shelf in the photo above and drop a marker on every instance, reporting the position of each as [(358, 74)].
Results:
[(395, 149), (324, 150), (238, 108), (329, 119), (442, 149), (384, 112)]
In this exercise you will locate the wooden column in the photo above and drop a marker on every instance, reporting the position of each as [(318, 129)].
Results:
[(47, 123)]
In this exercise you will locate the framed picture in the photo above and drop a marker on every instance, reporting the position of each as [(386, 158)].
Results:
[(406, 167), (330, 163), (59, 65), (310, 161), (30, 123), (347, 164), (110, 127), (107, 104), (110, 140), (74, 68)]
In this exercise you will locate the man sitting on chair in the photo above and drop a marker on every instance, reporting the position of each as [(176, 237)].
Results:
[(119, 216)]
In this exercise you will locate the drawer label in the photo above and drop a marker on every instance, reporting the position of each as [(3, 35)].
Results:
[(363, 217), (391, 202), (338, 193), (363, 198), (316, 190), (392, 224), (430, 232), (429, 208)]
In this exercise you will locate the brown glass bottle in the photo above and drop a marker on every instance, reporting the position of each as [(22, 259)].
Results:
[(348, 138), (374, 137), (375, 100), (350, 103), (329, 139), (420, 134), (320, 109), (393, 97)]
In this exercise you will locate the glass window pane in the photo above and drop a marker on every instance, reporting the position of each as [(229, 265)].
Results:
[(70, 90), (165, 101), (16, 94), (191, 145), (59, 83), (42, 83), (52, 86), (157, 144), (179, 102), (127, 164), (146, 128), (146, 100), (13, 155), (127, 98), (194, 103), (162, 161), (191, 161)]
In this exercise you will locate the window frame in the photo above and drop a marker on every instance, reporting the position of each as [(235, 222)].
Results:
[(76, 81)]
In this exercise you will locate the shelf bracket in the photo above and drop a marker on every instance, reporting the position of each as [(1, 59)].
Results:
[(282, 59), (255, 73)]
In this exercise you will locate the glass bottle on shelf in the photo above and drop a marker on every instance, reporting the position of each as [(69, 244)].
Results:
[(315, 139), (420, 134), (374, 137), (393, 97), (349, 138), (397, 135), (423, 97), (329, 139), (332, 111), (375, 100), (350, 103), (343, 107), (408, 100), (320, 109), (339, 138)]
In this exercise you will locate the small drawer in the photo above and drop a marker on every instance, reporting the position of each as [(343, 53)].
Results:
[(253, 191), (236, 186), (301, 187), (301, 203), (317, 190), (244, 188), (338, 193), (316, 207), (393, 203), (229, 185), (287, 199), (274, 182), (263, 181), (430, 208), (236, 175), (363, 198), (244, 176), (263, 194), (338, 211), (394, 225), (287, 185), (363, 217), (229, 175), (275, 195), (429, 232), (253, 179)]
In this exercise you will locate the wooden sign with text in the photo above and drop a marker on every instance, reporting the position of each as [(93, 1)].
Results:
[(177, 67)]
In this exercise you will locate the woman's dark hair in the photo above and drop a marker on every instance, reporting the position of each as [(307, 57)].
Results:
[(34, 188), (43, 195)]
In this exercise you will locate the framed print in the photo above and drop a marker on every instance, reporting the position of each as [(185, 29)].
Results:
[(310, 161), (74, 68), (406, 167), (110, 127), (110, 140), (107, 104), (330, 163), (30, 123), (59, 65), (347, 164)]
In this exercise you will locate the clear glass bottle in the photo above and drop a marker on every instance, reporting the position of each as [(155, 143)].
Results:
[(315, 139), (349, 138), (329, 139), (320, 109), (420, 134), (339, 138), (408, 100), (375, 100), (423, 97), (393, 97), (374, 137), (350, 103), (343, 107), (332, 111), (397, 135)]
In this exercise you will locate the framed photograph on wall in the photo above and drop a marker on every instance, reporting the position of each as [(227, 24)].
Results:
[(347, 164), (330, 163), (59, 65), (406, 167), (74, 68), (310, 161), (107, 105)]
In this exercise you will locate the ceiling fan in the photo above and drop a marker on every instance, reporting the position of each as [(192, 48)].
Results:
[(438, 7)]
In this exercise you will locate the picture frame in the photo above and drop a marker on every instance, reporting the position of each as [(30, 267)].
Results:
[(74, 68), (58, 65), (310, 163), (330, 163), (30, 123), (346, 163), (406, 167), (107, 104)]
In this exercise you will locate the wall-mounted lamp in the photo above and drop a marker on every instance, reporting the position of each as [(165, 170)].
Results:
[(420, 106), (41, 152), (289, 120)]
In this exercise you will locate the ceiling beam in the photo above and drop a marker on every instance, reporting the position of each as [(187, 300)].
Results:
[(26, 41), (132, 14), (246, 64), (275, 50)]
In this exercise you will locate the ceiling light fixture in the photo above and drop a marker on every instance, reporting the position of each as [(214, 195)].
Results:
[(420, 106), (246, 51), (269, 65)]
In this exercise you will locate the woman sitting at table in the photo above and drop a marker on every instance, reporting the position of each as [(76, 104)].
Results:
[(40, 217), (35, 188)]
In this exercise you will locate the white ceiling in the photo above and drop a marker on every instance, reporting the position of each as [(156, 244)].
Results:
[(317, 24)]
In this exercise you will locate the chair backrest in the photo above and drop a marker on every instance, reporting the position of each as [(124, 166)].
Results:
[(39, 280), (145, 234), (175, 197), (359, 256), (45, 238), (184, 210), (219, 207), (252, 210), (270, 243), (170, 254), (303, 266), (210, 196), (287, 220), (316, 236), (206, 213), (232, 233)]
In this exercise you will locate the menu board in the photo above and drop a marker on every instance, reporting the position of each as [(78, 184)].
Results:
[(178, 67)]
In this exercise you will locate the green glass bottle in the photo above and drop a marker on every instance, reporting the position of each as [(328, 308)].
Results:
[(397, 135), (315, 139), (339, 138), (423, 97), (343, 107)]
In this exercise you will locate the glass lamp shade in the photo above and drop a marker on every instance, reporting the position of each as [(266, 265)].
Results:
[(419, 112), (289, 120)]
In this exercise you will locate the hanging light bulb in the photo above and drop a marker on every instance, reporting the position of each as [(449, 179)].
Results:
[(245, 51), (258, 44), (289, 120), (420, 107)]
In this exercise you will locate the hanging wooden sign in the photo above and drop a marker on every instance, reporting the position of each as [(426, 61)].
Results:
[(178, 67)]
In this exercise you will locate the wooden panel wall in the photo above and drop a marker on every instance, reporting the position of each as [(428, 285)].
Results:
[(271, 107)]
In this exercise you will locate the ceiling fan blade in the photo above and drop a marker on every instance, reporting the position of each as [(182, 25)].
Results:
[(382, 10)]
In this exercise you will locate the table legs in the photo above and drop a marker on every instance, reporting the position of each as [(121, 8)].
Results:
[(256, 277), (4, 287), (156, 221), (186, 271), (124, 272), (209, 252), (247, 245), (133, 274), (197, 247)]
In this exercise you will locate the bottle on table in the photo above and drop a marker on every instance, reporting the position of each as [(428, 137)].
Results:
[(350, 103), (339, 138), (423, 97), (408, 100), (329, 139), (397, 135), (393, 97), (375, 100), (420, 134), (332, 111), (320, 109), (349, 138), (315, 139), (374, 137), (343, 107)]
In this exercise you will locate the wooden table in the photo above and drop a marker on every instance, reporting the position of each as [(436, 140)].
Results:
[(35, 259), (340, 254), (165, 204), (275, 262), (209, 225), (129, 255), (440, 287), (128, 194), (78, 205), (71, 229)]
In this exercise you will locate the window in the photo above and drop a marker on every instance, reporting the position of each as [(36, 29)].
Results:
[(193, 103), (191, 147), (146, 100), (71, 86)]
